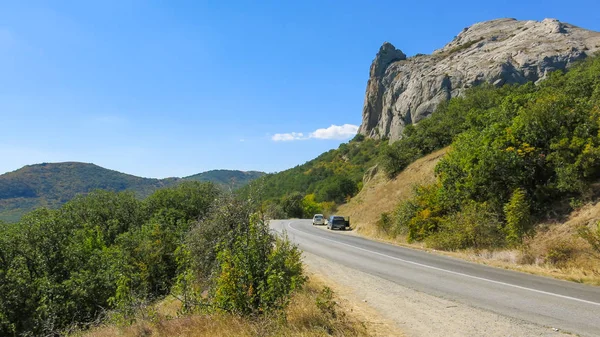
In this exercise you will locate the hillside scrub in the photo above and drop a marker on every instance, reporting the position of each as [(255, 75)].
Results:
[(109, 255), (330, 179), (515, 151)]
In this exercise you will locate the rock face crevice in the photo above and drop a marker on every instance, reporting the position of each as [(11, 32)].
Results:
[(403, 90)]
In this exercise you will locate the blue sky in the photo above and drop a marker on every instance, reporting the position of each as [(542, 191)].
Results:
[(173, 88)]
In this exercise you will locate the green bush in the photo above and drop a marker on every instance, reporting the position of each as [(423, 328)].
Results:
[(429, 208), (518, 217), (256, 272), (103, 251), (476, 226), (402, 217)]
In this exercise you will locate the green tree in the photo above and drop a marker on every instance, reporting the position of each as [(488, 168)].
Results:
[(310, 207), (292, 205)]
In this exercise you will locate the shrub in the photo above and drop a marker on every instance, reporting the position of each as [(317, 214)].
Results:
[(428, 212), (560, 252), (518, 217), (404, 213), (592, 236), (326, 303), (384, 224), (475, 226), (256, 272), (358, 138)]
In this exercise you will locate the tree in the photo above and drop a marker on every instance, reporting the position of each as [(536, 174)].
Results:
[(336, 188), (310, 207), (292, 205)]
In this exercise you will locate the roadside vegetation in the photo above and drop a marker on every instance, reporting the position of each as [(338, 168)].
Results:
[(313, 311), (320, 185), (107, 257), (520, 159)]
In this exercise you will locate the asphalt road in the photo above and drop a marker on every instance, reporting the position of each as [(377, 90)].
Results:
[(548, 302)]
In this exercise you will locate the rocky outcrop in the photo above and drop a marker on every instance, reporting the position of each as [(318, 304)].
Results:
[(403, 90)]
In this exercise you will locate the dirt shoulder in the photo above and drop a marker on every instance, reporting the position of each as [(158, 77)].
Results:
[(389, 309)]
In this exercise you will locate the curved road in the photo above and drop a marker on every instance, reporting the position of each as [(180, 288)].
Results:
[(548, 302)]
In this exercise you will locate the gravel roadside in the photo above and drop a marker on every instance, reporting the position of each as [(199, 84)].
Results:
[(389, 309)]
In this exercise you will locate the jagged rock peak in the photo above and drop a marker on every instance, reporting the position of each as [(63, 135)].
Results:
[(387, 55), (405, 90)]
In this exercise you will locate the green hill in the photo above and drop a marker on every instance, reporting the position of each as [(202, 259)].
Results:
[(319, 184), (229, 178), (52, 184)]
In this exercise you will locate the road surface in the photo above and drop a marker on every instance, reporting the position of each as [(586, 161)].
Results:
[(567, 306)]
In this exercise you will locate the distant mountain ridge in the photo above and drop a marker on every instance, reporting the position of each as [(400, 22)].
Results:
[(52, 184), (230, 178)]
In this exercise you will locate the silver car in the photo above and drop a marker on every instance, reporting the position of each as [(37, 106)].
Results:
[(318, 219)]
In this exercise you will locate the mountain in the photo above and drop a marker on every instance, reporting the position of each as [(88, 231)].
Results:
[(230, 178), (52, 184), (403, 90)]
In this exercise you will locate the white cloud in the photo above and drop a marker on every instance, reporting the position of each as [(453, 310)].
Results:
[(286, 137), (336, 132), (339, 132)]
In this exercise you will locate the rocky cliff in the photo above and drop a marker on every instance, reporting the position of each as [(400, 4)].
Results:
[(405, 90)]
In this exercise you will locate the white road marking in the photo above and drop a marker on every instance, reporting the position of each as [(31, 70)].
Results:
[(446, 270)]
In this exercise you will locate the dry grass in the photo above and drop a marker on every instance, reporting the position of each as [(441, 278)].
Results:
[(303, 318), (381, 194), (555, 250)]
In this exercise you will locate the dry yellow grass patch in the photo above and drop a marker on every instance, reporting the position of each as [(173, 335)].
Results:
[(303, 318), (381, 194)]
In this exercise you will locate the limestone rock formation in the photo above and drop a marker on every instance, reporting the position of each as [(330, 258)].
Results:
[(405, 90)]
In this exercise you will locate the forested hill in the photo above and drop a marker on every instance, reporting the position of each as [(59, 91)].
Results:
[(230, 178), (52, 184)]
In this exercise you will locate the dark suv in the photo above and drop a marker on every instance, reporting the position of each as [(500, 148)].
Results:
[(337, 222)]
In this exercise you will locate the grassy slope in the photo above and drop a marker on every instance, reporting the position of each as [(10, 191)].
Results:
[(52, 184), (381, 194)]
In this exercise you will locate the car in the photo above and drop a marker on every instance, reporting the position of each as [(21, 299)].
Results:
[(338, 222), (318, 219)]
